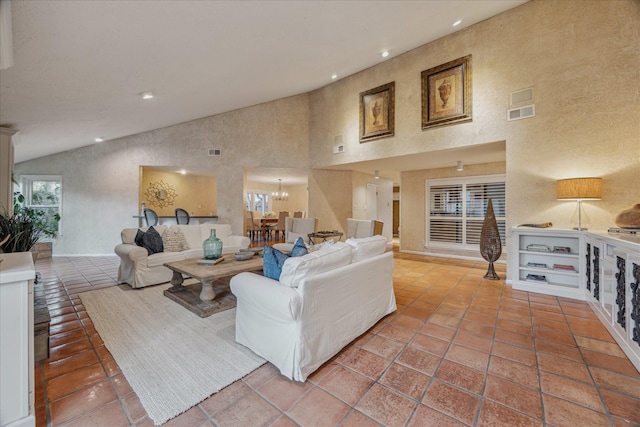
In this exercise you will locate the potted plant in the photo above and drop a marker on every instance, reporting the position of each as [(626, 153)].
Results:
[(23, 228)]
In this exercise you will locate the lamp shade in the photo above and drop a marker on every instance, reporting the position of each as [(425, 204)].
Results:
[(580, 188)]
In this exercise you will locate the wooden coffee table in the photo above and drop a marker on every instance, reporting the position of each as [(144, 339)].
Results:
[(205, 299)]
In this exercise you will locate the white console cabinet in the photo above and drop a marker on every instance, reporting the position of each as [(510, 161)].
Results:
[(16, 337), (598, 267)]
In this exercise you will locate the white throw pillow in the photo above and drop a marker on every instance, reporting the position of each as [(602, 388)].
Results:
[(367, 247), (174, 241), (325, 259)]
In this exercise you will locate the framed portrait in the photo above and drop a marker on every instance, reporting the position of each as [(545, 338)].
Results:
[(446, 93), (377, 112)]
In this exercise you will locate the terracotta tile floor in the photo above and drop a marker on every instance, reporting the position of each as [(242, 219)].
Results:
[(459, 351)]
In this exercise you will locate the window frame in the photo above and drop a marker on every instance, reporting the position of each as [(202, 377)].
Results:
[(250, 201), (459, 213), (26, 188)]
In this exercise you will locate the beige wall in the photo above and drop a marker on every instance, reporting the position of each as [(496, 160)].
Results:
[(581, 58), (196, 194), (101, 182), (297, 200)]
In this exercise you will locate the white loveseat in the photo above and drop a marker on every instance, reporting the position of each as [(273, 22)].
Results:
[(322, 302), (139, 269)]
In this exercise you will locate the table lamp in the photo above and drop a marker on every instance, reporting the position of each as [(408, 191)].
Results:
[(580, 189)]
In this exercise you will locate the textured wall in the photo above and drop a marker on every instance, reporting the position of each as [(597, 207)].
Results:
[(582, 60), (100, 182)]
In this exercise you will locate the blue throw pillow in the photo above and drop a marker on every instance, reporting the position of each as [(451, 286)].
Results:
[(272, 262), (299, 248)]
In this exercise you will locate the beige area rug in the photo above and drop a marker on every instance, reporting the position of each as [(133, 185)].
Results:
[(172, 358)]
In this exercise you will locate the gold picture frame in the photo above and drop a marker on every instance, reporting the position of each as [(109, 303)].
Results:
[(446, 93), (377, 112)]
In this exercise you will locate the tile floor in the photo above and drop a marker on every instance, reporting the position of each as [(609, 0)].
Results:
[(459, 351)]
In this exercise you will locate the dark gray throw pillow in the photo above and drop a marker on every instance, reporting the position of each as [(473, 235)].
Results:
[(139, 236), (152, 241)]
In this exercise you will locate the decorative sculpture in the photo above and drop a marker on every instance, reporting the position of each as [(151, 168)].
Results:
[(490, 244)]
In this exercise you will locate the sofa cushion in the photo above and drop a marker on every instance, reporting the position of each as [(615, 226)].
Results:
[(329, 258), (272, 262), (173, 240), (299, 248), (191, 234), (128, 235), (152, 241), (367, 247), (223, 231)]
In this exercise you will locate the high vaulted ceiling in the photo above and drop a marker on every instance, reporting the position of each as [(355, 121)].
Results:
[(80, 65)]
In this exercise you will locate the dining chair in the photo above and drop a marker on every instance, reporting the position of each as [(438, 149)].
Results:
[(151, 217), (182, 216), (255, 225), (281, 225), (297, 214)]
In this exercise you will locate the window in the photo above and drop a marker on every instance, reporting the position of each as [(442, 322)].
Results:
[(457, 208), (258, 202), (44, 193)]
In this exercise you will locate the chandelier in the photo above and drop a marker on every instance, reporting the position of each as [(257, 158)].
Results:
[(280, 195)]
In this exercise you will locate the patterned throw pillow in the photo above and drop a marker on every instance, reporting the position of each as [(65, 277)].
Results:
[(272, 262), (299, 248), (174, 240), (152, 241)]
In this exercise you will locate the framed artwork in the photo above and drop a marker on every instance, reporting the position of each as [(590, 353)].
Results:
[(377, 112), (446, 93)]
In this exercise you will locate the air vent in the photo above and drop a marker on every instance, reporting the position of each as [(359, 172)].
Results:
[(521, 113), (521, 97), (338, 146), (215, 152)]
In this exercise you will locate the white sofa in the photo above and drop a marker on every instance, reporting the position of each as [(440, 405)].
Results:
[(322, 302), (139, 269)]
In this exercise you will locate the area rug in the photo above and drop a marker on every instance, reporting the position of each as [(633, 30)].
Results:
[(172, 358)]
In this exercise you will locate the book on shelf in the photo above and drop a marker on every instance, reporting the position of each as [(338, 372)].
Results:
[(536, 278), (562, 249), (538, 248), (563, 267), (537, 264)]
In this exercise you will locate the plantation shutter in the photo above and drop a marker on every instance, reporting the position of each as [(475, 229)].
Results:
[(456, 220)]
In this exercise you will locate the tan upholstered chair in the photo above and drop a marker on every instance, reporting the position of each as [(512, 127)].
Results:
[(294, 228), (359, 228)]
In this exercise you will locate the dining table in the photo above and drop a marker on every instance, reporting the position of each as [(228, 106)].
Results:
[(267, 223)]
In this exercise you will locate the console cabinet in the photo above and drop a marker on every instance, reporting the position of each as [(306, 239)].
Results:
[(598, 267), (16, 335)]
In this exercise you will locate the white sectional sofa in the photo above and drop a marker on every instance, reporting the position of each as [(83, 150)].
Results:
[(139, 269), (322, 302)]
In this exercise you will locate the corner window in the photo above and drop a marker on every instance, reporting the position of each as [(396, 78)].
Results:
[(44, 193)]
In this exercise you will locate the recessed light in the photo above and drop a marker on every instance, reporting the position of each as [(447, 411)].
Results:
[(183, 172), (334, 76), (146, 95), (98, 139), (385, 54), (458, 22)]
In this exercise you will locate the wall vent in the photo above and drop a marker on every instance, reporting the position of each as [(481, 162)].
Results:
[(521, 97), (338, 146), (215, 152), (521, 112)]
